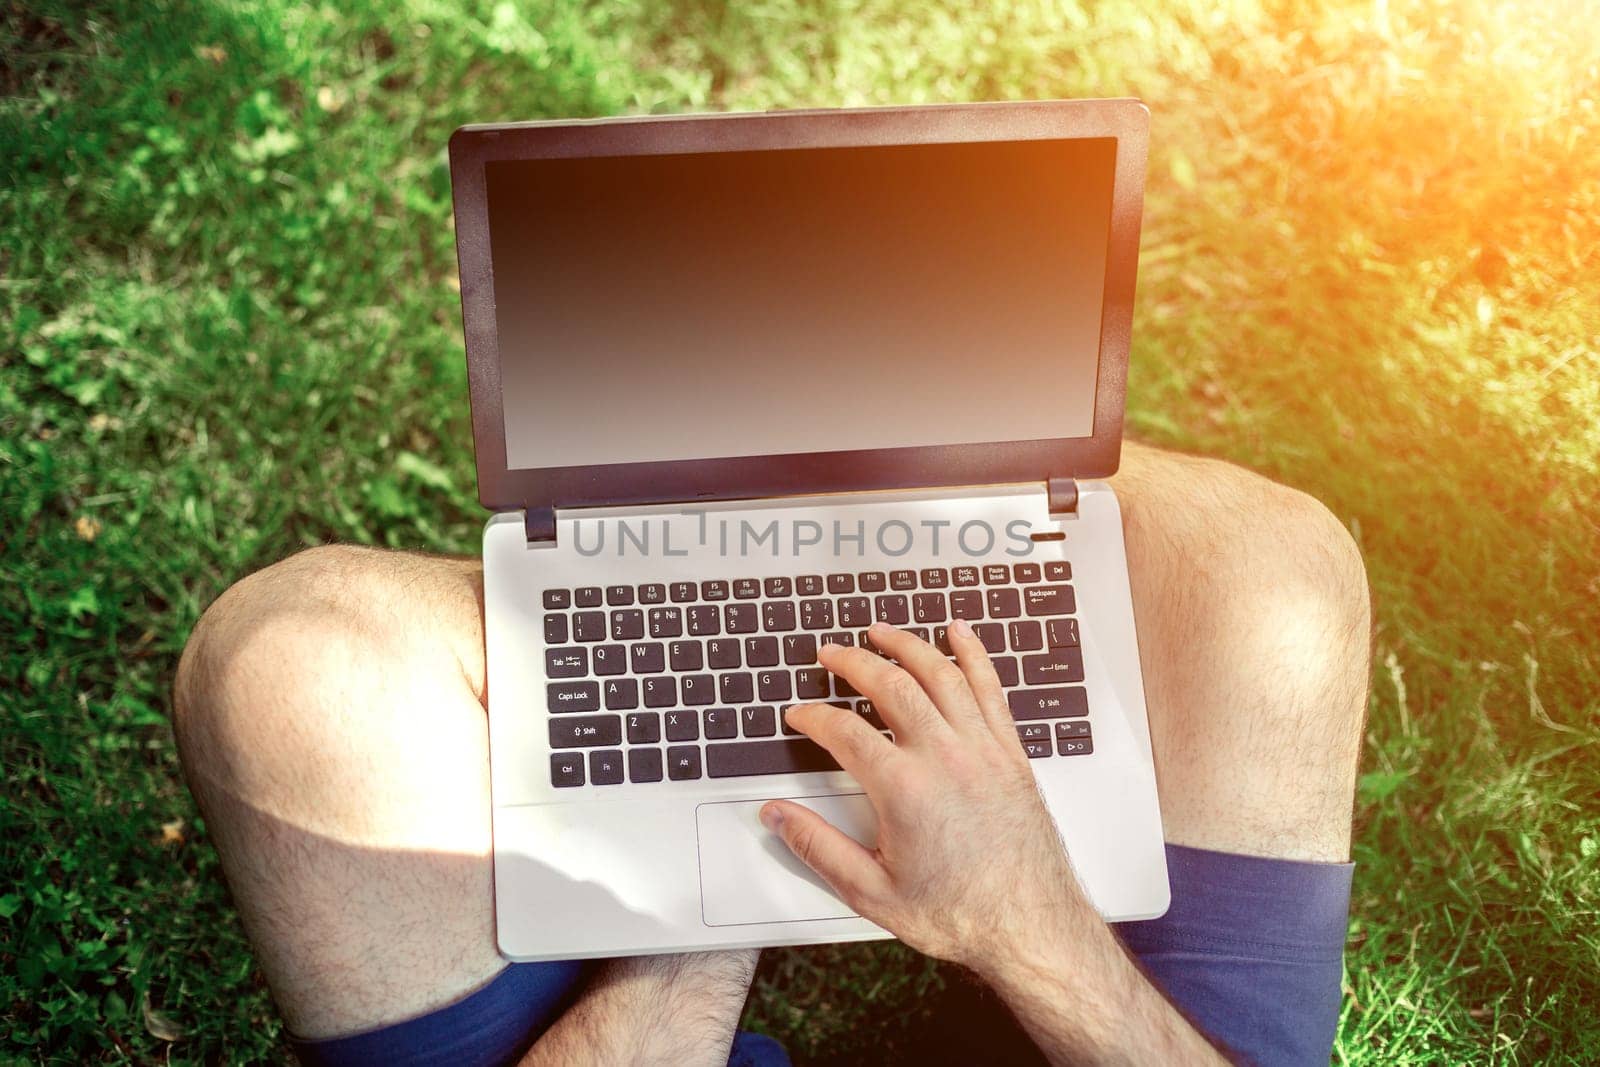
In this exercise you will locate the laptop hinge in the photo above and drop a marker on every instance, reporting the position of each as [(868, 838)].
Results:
[(1063, 496), (540, 524)]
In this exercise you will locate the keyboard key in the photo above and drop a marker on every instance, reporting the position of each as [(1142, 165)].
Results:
[(705, 620), (921, 633), (872, 581), (841, 583), (1079, 747), (892, 609), (682, 592), (842, 688), (713, 590), (660, 691), (935, 578), (865, 709), (1025, 636), (777, 616), (1004, 603), (1057, 665), (996, 574), (622, 694), (1005, 667), (627, 625), (746, 589), (683, 764), (993, 636), (742, 759), (1036, 749), (900, 581), (1036, 731), (799, 649), (811, 683), (587, 597), (566, 769), (698, 689), (569, 661), (610, 660), (647, 657), (666, 622), (1072, 728), (808, 585), (644, 765), (1050, 600), (1026, 572), (686, 656), (682, 726), (562, 697), (928, 607), (721, 723), (855, 611), (963, 576), (644, 728), (865, 641), (775, 686), (605, 767), (589, 626), (555, 629), (966, 604), (653, 594), (736, 688), (557, 598), (777, 587), (941, 639), (760, 652), (740, 618), (1061, 633), (1058, 570), (585, 731), (837, 637), (758, 721), (1063, 703), (722, 655), (816, 614), (619, 596)]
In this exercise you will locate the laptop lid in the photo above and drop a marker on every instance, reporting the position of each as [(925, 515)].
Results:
[(748, 305)]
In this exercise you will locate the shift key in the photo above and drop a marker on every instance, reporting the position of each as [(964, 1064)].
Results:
[(1066, 702), (585, 731)]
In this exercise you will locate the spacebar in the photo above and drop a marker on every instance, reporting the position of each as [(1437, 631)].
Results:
[(767, 757)]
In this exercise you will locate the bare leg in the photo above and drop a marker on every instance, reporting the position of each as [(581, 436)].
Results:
[(1254, 633), (330, 719)]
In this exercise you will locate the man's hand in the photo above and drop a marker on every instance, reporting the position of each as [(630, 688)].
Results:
[(968, 863), (969, 866)]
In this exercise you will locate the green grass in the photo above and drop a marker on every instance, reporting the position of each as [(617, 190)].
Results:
[(228, 330)]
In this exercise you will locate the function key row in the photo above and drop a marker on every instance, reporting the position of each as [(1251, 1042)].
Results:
[(594, 596)]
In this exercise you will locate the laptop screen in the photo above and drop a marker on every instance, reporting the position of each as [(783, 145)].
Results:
[(752, 303)]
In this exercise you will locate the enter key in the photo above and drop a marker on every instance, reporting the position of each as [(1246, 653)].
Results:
[(1057, 665)]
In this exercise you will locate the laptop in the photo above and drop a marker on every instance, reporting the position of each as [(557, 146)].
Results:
[(741, 385)]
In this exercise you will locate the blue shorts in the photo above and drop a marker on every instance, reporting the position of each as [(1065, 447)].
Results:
[(1251, 951)]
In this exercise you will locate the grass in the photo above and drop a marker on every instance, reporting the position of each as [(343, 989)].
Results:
[(228, 330)]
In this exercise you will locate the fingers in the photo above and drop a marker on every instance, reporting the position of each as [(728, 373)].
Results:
[(844, 863), (861, 750), (897, 696), (942, 681), (975, 664)]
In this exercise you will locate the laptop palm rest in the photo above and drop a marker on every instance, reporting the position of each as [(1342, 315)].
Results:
[(748, 875)]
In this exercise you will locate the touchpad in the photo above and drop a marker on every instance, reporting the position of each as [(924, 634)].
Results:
[(747, 873)]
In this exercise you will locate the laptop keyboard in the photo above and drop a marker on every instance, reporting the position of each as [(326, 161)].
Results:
[(682, 681)]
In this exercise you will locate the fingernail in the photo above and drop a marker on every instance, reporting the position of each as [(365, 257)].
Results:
[(962, 627), (880, 626), (772, 817)]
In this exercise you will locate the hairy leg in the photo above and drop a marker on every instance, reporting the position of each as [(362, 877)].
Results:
[(331, 723), (1254, 634)]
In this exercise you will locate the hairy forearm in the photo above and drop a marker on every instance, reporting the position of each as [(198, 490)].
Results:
[(679, 1009), (1084, 1001)]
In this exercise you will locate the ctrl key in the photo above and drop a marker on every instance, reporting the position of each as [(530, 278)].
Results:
[(566, 769)]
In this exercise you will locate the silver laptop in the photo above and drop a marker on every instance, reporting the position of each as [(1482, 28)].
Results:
[(741, 385)]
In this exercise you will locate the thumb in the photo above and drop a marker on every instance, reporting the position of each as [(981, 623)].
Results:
[(849, 868)]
